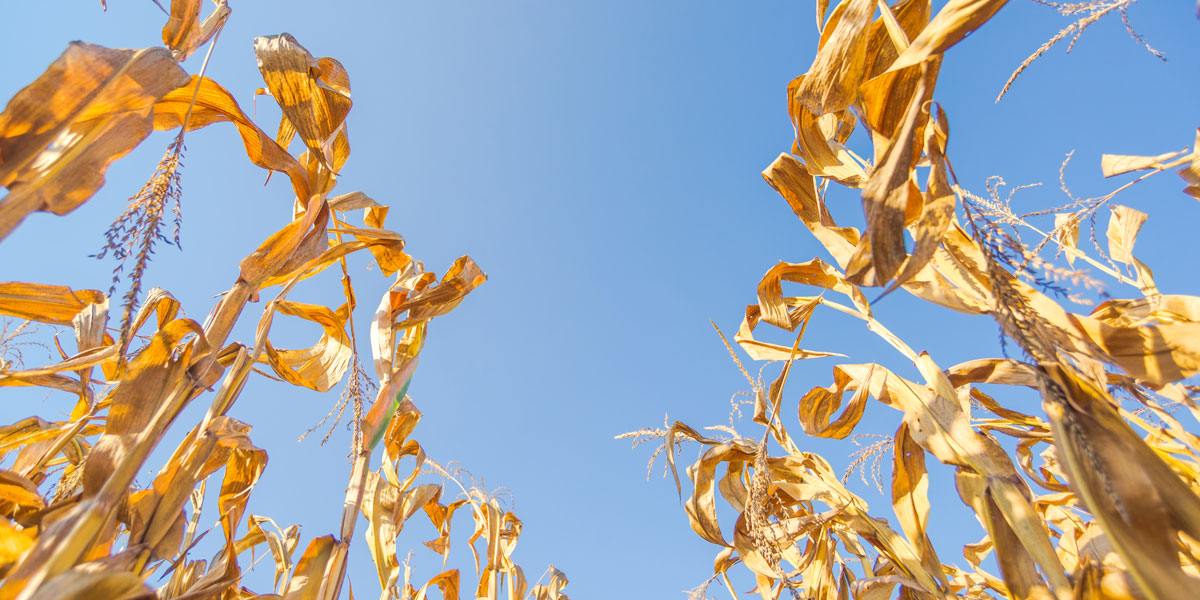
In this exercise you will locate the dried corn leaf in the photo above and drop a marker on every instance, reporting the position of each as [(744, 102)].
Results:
[(14, 542), (1112, 165), (1140, 502), (322, 365), (149, 377), (819, 404), (246, 464), (1162, 309), (184, 32), (1017, 566), (939, 424), (893, 32), (1191, 172), (792, 180), (832, 81), (60, 133), (819, 141), (814, 272), (1066, 233), (289, 248), (215, 105), (19, 491), (993, 370), (83, 584), (315, 108), (701, 505), (198, 457), (379, 507), (956, 20), (938, 211), (551, 590), (310, 578), (43, 303), (886, 195), (386, 246), (422, 305), (1123, 227), (798, 310), (910, 497), (446, 582)]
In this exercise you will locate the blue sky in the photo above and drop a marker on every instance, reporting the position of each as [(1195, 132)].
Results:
[(600, 161)]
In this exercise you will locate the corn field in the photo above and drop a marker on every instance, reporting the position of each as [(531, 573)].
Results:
[(1099, 499), (74, 524), (1092, 497)]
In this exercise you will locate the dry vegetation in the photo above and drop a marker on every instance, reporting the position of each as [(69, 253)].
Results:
[(74, 524), (1099, 498)]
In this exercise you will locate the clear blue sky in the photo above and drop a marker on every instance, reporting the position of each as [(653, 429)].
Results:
[(600, 160)]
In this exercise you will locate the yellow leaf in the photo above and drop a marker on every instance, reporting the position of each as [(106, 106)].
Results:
[(184, 32), (956, 19), (60, 133), (314, 107), (831, 83), (1066, 231), (1112, 165), (45, 303), (322, 365), (215, 105), (1123, 228), (1140, 502)]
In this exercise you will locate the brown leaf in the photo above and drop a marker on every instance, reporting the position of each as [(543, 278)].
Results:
[(939, 200), (832, 81), (322, 365), (819, 141), (60, 133), (819, 404), (314, 107), (1066, 232), (19, 490), (147, 379), (886, 195), (215, 105), (815, 272), (1140, 502), (956, 19), (446, 581), (309, 579), (798, 310), (1016, 563), (246, 464), (792, 180), (82, 584), (289, 248), (910, 497), (1123, 228), (184, 32), (13, 542), (422, 305), (1112, 165), (1191, 172), (45, 303)]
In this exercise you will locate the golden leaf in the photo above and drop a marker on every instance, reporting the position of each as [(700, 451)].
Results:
[(832, 81), (314, 107), (1112, 165), (215, 105), (60, 133), (956, 19), (45, 303)]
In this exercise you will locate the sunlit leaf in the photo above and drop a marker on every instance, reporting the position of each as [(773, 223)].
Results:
[(59, 134)]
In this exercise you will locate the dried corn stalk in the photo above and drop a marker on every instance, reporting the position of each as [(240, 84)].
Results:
[(1099, 499), (69, 495)]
